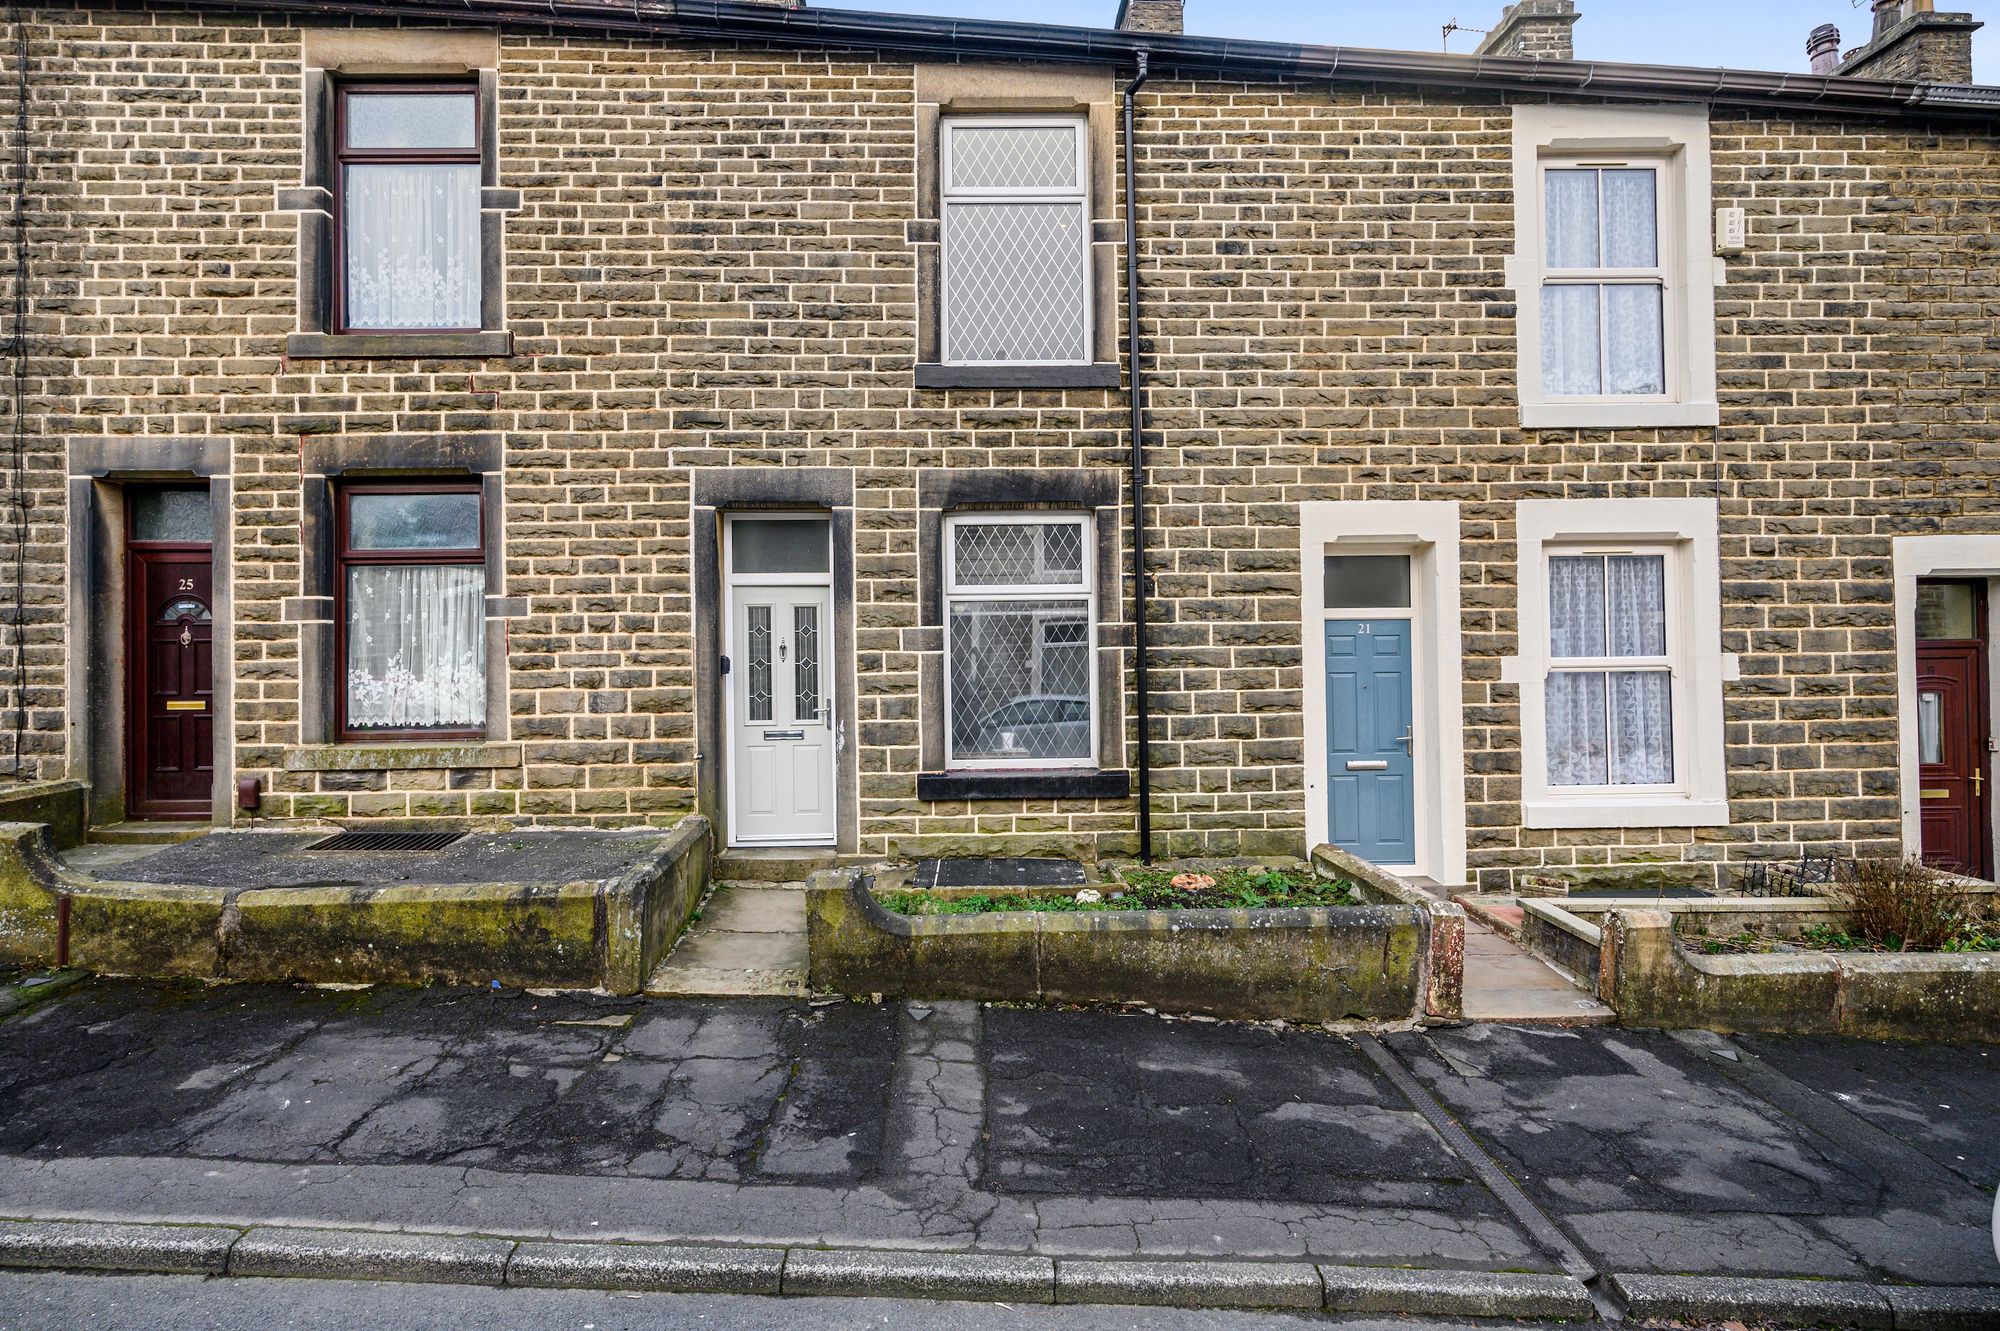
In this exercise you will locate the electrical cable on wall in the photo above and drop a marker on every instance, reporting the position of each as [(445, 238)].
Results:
[(17, 349)]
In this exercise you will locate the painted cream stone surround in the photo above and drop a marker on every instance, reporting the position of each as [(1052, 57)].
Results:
[(1694, 632), (1679, 135), (1428, 531), (1915, 557)]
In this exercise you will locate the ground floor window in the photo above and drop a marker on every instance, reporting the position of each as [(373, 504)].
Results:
[(1019, 641), (1611, 673), (1621, 667), (412, 589)]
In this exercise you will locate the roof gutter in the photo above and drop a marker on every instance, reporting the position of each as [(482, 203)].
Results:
[(1238, 61)]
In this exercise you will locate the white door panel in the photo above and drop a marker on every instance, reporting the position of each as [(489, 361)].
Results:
[(781, 750)]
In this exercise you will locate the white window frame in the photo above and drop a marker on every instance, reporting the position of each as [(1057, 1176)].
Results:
[(1079, 196), (1674, 140), (1084, 592), (1685, 531)]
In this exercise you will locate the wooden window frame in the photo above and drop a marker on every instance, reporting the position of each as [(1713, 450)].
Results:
[(344, 157), (346, 557)]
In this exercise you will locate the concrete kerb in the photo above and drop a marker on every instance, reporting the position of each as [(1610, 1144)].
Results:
[(278, 1251)]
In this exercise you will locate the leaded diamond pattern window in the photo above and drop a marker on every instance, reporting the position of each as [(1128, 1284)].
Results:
[(1021, 690), (759, 633), (805, 667), (1016, 242)]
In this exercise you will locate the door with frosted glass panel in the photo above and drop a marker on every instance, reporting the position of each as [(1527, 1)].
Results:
[(780, 683), (1954, 730)]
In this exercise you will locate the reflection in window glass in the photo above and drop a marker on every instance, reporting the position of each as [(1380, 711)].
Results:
[(1367, 582), (414, 521), (1947, 611), (780, 545)]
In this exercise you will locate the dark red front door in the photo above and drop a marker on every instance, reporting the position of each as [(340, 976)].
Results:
[(171, 708), (1952, 727)]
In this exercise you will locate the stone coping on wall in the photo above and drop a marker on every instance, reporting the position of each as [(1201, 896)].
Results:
[(603, 933), (58, 804), (1635, 962), (1313, 964)]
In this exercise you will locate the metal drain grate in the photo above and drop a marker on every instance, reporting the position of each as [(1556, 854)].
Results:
[(388, 841)]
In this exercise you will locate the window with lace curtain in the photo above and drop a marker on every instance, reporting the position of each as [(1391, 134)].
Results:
[(407, 158), (1609, 691), (1621, 666), (1604, 286), (1614, 267), (412, 611)]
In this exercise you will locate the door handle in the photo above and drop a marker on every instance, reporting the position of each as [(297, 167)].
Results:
[(1407, 739), (1978, 782), (784, 734), (1369, 766)]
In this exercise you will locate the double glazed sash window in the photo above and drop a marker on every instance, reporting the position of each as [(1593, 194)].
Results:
[(1018, 626), (408, 167), (1610, 684), (413, 611), (1016, 241), (1604, 284)]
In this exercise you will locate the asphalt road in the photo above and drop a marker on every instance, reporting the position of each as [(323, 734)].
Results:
[(52, 1302)]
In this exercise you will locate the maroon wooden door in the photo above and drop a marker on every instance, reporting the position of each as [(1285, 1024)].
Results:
[(170, 711), (1952, 739)]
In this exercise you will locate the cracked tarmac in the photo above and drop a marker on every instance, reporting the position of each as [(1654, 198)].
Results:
[(951, 1126)]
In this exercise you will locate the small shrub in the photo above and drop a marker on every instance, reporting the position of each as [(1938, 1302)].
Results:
[(1904, 905)]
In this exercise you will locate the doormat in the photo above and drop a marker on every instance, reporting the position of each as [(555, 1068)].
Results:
[(1009, 872)]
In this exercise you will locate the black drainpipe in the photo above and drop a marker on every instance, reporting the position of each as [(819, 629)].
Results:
[(1140, 596)]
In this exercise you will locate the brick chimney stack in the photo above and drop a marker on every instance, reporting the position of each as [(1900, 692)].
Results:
[(1149, 16), (1914, 43), (1534, 30), (1823, 47)]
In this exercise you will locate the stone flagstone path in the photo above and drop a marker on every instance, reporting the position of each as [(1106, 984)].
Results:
[(749, 941)]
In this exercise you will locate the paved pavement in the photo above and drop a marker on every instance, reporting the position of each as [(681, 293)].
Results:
[(1506, 982), (952, 1127), (189, 1303), (750, 940)]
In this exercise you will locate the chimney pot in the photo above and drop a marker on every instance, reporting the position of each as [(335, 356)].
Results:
[(1914, 43), (1150, 16), (1823, 46)]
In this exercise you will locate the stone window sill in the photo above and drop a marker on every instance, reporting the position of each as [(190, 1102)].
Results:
[(398, 346), (1115, 785), (444, 755), (1545, 814), (1017, 376), (1618, 415)]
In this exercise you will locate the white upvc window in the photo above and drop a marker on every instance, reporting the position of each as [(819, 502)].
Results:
[(1020, 615), (1621, 665), (1016, 272), (1614, 271)]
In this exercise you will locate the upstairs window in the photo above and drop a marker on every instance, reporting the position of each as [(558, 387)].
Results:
[(1016, 241), (1614, 272), (408, 193), (1019, 641), (1604, 287), (413, 611)]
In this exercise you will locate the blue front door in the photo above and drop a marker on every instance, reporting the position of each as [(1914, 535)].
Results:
[(1371, 777)]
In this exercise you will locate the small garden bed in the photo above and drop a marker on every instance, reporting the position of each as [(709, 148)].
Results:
[(1234, 888), (1831, 938)]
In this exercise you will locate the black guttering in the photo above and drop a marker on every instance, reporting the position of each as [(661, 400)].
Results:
[(1239, 61), (1141, 599)]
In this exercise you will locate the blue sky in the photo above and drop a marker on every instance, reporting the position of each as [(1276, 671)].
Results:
[(1741, 34)]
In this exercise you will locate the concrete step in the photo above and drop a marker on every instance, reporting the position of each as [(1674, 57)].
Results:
[(147, 833), (774, 864), (750, 941)]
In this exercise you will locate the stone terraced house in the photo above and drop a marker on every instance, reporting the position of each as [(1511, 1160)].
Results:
[(596, 411)]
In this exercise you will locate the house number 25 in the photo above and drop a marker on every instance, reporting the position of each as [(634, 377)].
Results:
[(187, 584)]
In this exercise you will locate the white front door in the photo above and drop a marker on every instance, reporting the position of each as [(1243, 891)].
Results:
[(781, 705)]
